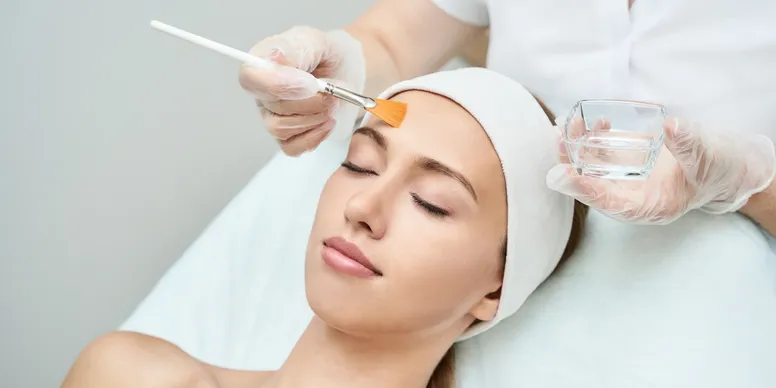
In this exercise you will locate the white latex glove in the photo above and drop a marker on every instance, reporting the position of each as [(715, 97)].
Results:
[(295, 113), (715, 173)]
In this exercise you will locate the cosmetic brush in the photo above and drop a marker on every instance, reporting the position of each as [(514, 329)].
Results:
[(391, 112)]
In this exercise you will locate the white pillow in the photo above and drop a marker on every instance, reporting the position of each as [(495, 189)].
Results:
[(691, 304)]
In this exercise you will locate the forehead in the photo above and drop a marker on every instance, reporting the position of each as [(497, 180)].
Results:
[(439, 128)]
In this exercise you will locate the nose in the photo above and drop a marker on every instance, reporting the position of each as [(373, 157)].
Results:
[(367, 209)]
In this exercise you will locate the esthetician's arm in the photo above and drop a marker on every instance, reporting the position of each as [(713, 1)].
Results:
[(392, 41), (403, 39), (761, 207), (476, 52)]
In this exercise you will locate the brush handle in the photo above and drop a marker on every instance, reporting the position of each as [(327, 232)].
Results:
[(323, 86), (215, 46)]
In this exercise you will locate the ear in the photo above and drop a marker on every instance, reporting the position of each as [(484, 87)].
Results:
[(486, 308)]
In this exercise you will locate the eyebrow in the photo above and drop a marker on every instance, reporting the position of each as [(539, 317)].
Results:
[(423, 162), (372, 133)]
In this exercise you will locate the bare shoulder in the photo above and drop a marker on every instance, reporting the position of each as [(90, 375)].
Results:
[(231, 378), (127, 359)]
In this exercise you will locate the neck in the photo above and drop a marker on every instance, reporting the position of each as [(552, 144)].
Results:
[(325, 357)]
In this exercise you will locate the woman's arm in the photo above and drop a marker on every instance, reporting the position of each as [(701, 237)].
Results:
[(762, 208), (403, 39)]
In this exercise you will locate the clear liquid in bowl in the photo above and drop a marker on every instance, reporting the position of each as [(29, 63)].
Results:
[(614, 154)]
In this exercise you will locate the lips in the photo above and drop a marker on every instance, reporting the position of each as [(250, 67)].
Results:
[(344, 256)]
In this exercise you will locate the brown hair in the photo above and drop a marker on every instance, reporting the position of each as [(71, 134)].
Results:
[(444, 373)]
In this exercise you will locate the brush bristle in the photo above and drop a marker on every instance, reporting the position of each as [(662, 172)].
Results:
[(391, 112)]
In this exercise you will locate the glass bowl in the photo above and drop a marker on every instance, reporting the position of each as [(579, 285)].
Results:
[(614, 139)]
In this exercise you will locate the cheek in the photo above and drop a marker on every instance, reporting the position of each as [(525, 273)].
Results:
[(329, 217), (443, 269), (329, 221), (431, 249), (332, 201)]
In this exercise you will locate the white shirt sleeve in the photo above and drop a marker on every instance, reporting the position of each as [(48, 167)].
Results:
[(473, 12)]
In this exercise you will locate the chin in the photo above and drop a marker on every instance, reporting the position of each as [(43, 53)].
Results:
[(333, 299), (345, 304), (355, 305), (355, 309), (343, 316)]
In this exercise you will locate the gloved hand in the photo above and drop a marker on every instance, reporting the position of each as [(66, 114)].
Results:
[(295, 113), (715, 173)]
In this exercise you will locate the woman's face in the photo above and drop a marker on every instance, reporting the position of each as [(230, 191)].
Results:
[(425, 204)]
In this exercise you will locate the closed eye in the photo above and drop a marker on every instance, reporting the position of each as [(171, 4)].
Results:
[(429, 207), (359, 170)]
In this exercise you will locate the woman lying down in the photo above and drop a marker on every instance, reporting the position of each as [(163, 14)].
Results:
[(428, 234)]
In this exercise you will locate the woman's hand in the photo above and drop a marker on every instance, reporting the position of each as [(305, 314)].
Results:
[(295, 113), (712, 172)]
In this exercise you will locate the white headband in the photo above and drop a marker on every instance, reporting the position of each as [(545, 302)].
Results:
[(539, 219)]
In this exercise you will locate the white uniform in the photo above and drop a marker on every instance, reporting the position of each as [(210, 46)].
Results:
[(692, 304), (712, 61)]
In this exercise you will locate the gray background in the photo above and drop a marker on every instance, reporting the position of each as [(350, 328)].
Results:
[(118, 144)]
